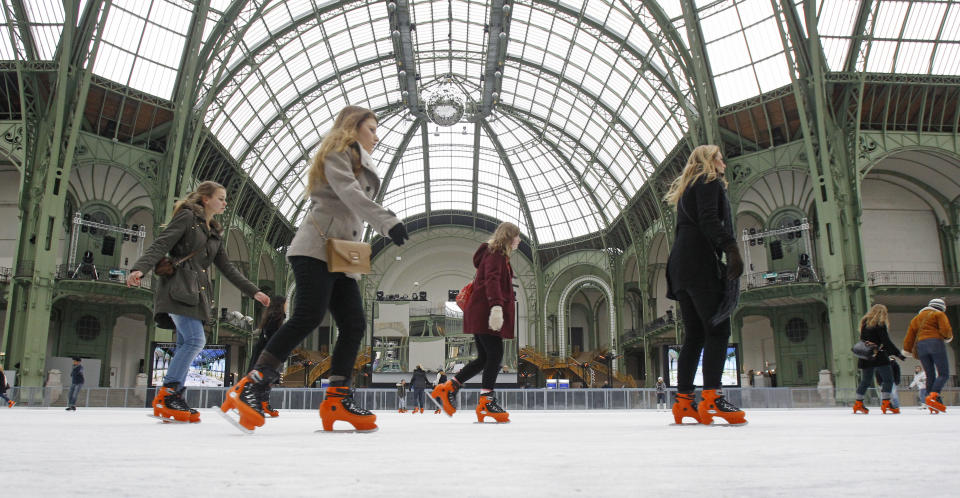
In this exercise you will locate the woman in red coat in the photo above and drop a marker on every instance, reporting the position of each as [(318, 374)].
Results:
[(489, 317)]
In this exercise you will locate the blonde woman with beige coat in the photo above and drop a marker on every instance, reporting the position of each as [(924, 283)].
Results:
[(342, 183)]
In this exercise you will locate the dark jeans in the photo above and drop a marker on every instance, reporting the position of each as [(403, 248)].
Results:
[(418, 397), (74, 392), (699, 336), (661, 397), (932, 354), (317, 291), (489, 356), (866, 380)]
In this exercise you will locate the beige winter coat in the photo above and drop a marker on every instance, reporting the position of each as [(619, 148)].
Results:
[(340, 206)]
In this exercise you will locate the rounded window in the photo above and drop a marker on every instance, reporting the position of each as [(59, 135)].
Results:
[(797, 330), (88, 327)]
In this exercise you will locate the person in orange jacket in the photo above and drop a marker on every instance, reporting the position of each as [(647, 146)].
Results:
[(926, 340)]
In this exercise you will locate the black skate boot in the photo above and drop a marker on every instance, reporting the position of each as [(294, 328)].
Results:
[(445, 396), (245, 399), (487, 406)]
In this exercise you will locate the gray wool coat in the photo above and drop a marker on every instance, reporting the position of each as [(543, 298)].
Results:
[(340, 206), (189, 291)]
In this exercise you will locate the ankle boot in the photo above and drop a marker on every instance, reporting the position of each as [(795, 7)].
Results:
[(934, 402), (685, 405), (714, 404), (885, 407), (169, 404), (487, 406), (445, 396), (858, 407), (338, 404), (245, 398)]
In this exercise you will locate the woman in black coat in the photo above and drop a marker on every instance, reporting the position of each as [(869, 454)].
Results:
[(873, 331), (706, 289), (418, 383)]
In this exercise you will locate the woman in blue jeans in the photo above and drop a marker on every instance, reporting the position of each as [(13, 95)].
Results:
[(194, 240), (873, 330), (926, 339)]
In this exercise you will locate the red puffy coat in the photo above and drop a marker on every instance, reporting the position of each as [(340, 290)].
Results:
[(492, 286)]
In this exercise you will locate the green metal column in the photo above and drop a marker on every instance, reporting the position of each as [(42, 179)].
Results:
[(52, 124)]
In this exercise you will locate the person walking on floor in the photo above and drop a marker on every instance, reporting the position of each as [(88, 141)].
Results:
[(418, 382), (926, 340), (873, 331), (661, 393), (706, 289), (4, 385), (919, 383), (76, 384), (273, 318), (182, 301), (489, 316), (342, 183)]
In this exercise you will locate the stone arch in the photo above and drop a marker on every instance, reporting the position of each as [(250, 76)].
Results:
[(562, 308)]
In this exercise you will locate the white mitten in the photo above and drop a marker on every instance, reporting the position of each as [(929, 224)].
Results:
[(496, 318)]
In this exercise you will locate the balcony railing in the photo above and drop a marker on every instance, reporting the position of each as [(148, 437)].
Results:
[(913, 278), (771, 278), (100, 274)]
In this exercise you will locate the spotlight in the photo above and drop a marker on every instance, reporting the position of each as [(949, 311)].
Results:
[(423, 295), (379, 295), (452, 294)]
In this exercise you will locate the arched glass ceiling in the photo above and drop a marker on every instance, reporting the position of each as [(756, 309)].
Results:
[(898, 36), (589, 105), (744, 48)]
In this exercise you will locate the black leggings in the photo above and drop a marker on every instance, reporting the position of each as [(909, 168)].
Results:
[(699, 336), (867, 377), (489, 356), (318, 290)]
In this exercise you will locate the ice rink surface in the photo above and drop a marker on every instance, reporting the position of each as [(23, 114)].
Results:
[(800, 452)]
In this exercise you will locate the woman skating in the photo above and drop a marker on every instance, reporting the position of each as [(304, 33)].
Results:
[(342, 183), (489, 317), (182, 300), (873, 330), (704, 286)]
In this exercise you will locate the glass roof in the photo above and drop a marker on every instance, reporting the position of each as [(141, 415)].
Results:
[(590, 95), (579, 126)]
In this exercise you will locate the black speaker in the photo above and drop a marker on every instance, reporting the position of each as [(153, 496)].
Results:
[(452, 294), (776, 250), (134, 238), (108, 244), (126, 236)]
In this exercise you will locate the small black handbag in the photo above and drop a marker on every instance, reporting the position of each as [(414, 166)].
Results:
[(864, 351)]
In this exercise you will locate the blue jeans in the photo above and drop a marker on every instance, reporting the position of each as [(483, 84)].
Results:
[(932, 354), (866, 380), (190, 341), (74, 392)]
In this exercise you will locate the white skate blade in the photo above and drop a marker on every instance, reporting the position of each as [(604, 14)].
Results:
[(438, 404), (685, 424), (165, 420), (235, 423), (346, 431)]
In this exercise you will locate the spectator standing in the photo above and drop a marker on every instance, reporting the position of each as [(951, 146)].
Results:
[(920, 384)]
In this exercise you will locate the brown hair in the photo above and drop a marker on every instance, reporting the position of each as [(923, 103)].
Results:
[(205, 189), (876, 316), (701, 163), (341, 136), (502, 239)]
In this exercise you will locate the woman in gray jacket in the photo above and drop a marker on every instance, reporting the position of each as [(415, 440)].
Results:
[(342, 183), (183, 300)]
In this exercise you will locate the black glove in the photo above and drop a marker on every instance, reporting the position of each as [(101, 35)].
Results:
[(734, 261), (398, 234)]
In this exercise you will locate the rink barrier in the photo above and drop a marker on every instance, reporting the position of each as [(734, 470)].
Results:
[(511, 399)]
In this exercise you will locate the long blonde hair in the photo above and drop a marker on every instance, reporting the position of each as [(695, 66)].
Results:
[(341, 136), (502, 239), (876, 316), (208, 188), (701, 163)]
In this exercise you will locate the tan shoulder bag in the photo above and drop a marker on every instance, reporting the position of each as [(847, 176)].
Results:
[(345, 256)]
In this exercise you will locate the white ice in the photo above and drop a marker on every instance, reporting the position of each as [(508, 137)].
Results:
[(800, 452)]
